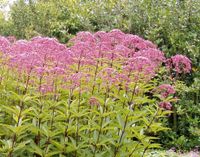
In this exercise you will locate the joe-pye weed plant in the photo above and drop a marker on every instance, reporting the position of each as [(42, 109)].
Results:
[(102, 96)]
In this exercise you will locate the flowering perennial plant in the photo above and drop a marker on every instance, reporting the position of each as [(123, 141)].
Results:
[(89, 99)]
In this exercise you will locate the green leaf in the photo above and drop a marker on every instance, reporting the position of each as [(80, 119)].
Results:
[(21, 145), (58, 145), (120, 121), (35, 149)]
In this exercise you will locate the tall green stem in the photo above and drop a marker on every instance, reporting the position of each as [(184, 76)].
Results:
[(101, 120)]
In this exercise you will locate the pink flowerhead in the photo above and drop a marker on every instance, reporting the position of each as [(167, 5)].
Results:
[(165, 105), (40, 71), (83, 37), (94, 101), (141, 66), (101, 36), (108, 75), (165, 90), (123, 51), (155, 55), (45, 88), (4, 44), (181, 64), (131, 41), (116, 36), (12, 39), (76, 79)]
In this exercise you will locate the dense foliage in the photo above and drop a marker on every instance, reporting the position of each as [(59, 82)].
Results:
[(105, 95), (174, 25)]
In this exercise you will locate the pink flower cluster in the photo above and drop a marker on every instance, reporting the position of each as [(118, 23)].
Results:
[(165, 90), (180, 63), (138, 57), (12, 39), (112, 57), (41, 59), (165, 105), (94, 101), (4, 44)]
